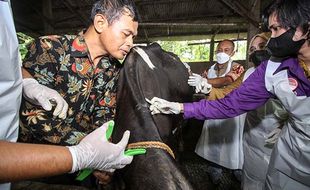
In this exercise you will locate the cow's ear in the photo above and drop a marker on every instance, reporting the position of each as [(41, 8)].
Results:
[(100, 23)]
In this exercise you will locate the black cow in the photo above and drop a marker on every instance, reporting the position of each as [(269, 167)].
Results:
[(150, 71)]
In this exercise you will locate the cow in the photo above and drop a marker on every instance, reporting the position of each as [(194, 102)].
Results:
[(150, 71)]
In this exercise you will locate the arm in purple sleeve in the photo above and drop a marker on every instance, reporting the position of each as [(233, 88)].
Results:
[(250, 95)]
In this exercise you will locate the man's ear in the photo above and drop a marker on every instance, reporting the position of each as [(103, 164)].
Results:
[(233, 53), (299, 34), (100, 23)]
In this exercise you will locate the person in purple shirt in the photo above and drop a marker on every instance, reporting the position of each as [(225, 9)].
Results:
[(286, 76)]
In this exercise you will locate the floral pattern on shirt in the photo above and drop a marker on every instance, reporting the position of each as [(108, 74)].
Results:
[(63, 64)]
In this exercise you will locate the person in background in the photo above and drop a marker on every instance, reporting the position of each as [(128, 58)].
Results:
[(221, 139), (286, 76), (262, 126), (222, 73), (21, 161), (257, 54)]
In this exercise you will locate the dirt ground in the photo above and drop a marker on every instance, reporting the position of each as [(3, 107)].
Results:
[(196, 167)]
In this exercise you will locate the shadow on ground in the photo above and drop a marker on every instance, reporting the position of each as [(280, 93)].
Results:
[(196, 167)]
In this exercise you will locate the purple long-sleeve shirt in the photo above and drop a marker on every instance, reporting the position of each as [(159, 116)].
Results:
[(288, 82), (250, 95)]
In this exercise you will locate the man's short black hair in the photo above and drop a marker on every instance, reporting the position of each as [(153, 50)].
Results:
[(114, 9)]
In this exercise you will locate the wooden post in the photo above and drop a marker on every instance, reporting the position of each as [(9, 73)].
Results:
[(212, 48), (48, 14), (253, 30)]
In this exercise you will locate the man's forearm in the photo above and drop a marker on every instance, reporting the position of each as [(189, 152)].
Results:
[(26, 74), (219, 93), (220, 82), (25, 161)]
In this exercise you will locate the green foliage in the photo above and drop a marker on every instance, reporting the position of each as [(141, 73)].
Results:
[(187, 53), (198, 51), (23, 41), (240, 50)]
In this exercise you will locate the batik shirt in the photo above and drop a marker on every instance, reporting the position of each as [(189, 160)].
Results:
[(63, 63)]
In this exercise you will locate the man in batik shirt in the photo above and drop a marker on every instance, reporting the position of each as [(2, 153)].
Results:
[(69, 84)]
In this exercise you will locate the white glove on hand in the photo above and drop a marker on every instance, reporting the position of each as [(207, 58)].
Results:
[(159, 105), (42, 95), (201, 84), (273, 136), (96, 152), (205, 87)]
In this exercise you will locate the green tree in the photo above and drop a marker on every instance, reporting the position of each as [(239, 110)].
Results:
[(198, 51), (23, 40)]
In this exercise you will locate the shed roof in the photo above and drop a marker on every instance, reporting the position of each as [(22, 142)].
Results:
[(160, 19)]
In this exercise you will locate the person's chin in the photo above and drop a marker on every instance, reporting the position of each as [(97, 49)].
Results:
[(120, 55)]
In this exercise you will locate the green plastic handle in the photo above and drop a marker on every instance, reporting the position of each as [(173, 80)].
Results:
[(135, 151), (109, 131), (86, 172), (83, 174)]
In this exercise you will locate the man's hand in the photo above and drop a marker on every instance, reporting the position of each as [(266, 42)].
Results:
[(159, 105), (235, 73), (201, 84), (104, 178), (42, 95), (96, 152)]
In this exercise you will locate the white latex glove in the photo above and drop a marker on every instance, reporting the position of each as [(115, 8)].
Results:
[(273, 136), (201, 84), (194, 80), (96, 152), (159, 105), (42, 95), (205, 87)]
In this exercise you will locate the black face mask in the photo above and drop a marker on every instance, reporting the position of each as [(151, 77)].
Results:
[(259, 56), (283, 46)]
